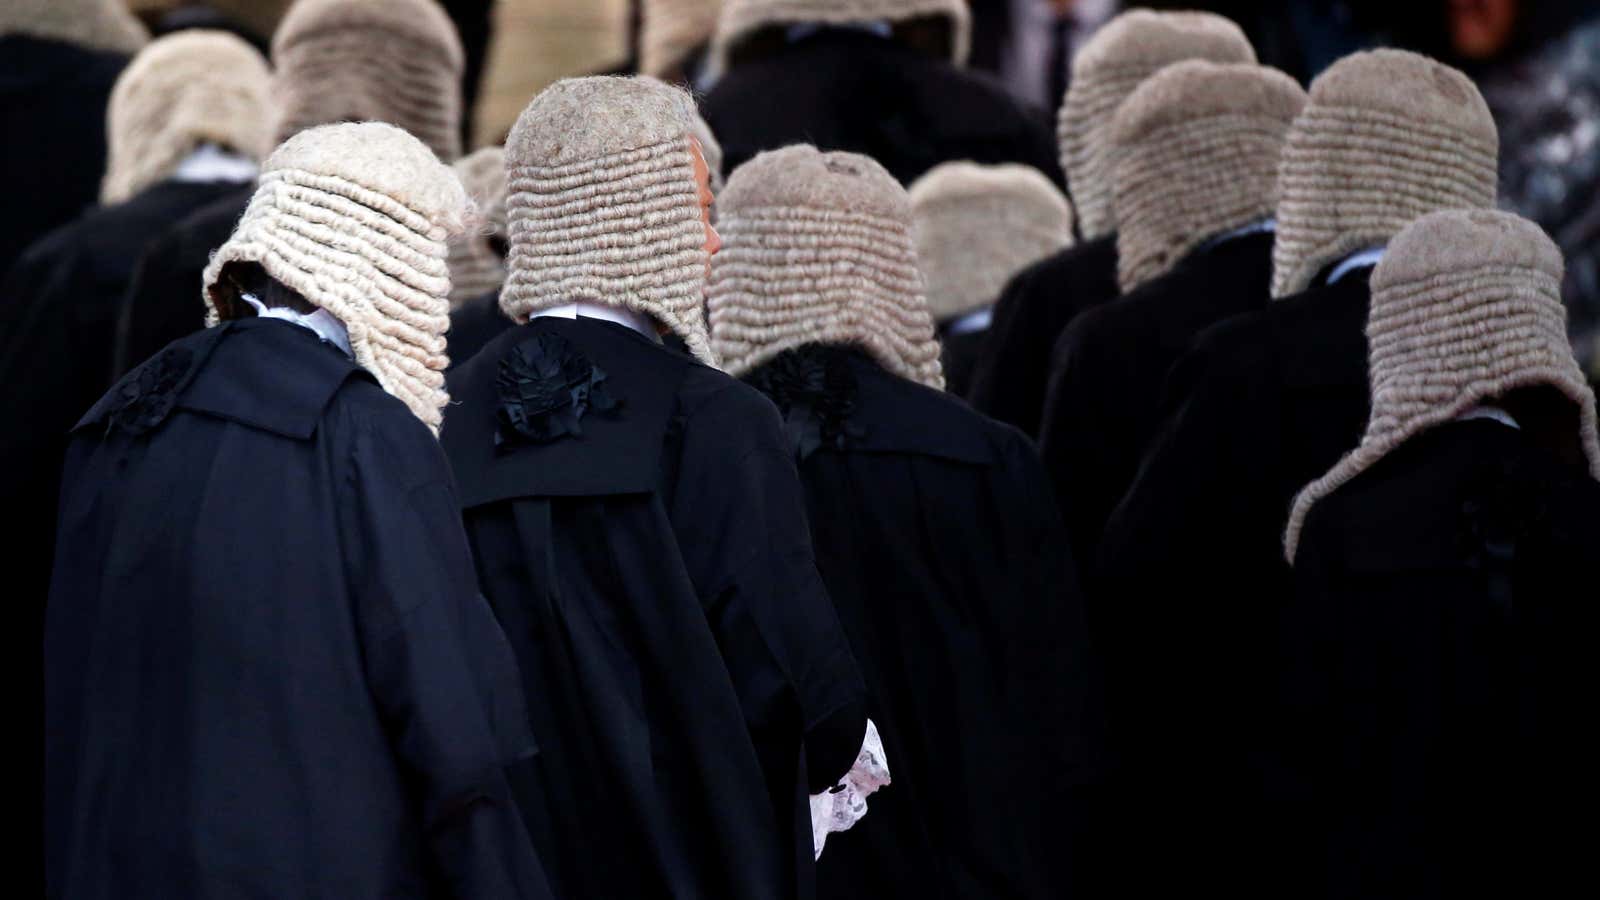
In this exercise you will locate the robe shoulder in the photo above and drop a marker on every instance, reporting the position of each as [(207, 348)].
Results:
[(640, 395), (1420, 507), (1012, 373)]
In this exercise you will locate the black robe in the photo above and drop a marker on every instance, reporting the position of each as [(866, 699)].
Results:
[(947, 563), (959, 354), (268, 670), (53, 114), (1013, 368), (474, 324), (1191, 572), (1440, 640), (640, 532), (58, 313), (163, 301), (1109, 366), (845, 90)]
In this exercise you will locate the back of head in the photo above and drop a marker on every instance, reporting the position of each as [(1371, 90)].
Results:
[(1124, 52), (355, 219), (1385, 138), (96, 24), (182, 91), (477, 256), (817, 249), (976, 226), (746, 22), (672, 31), (1466, 309), (395, 61), (604, 206), (1195, 152)]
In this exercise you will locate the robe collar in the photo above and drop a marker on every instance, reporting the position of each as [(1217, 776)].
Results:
[(272, 375)]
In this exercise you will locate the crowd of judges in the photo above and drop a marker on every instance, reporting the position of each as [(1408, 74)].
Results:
[(784, 490)]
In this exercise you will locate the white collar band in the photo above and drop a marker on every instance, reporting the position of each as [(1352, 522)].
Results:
[(211, 163), (321, 323), (1492, 413), (977, 320), (1361, 259), (627, 318)]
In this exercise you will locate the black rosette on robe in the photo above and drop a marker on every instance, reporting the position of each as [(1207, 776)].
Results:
[(146, 397), (546, 386), (816, 391)]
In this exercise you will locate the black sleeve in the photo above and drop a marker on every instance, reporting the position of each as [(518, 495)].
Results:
[(1056, 683), (1082, 463), (162, 302), (1002, 385), (439, 668), (1186, 478), (740, 517)]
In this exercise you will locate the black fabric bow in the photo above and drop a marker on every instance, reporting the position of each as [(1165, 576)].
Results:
[(147, 396), (815, 389), (546, 386)]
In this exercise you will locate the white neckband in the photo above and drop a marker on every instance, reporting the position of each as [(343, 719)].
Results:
[(624, 317), (1492, 413), (1357, 260), (209, 163), (321, 323), (977, 320)]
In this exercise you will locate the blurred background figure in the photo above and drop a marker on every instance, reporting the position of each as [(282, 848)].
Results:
[(256, 20), (1538, 65), (1195, 177), (675, 39), (1030, 44), (976, 226), (394, 61), (61, 59), (189, 121), (884, 78), (1013, 366)]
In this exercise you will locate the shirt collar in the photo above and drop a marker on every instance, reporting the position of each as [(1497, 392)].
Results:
[(1269, 225), (1492, 413), (210, 163), (627, 318), (977, 320), (321, 323), (1361, 259), (798, 33)]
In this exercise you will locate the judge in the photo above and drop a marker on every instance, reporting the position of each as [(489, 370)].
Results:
[(975, 227), (879, 77), (934, 532), (1013, 369), (639, 528), (268, 669), (395, 61), (1196, 169), (1267, 400), (187, 122), (1441, 627), (62, 58)]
